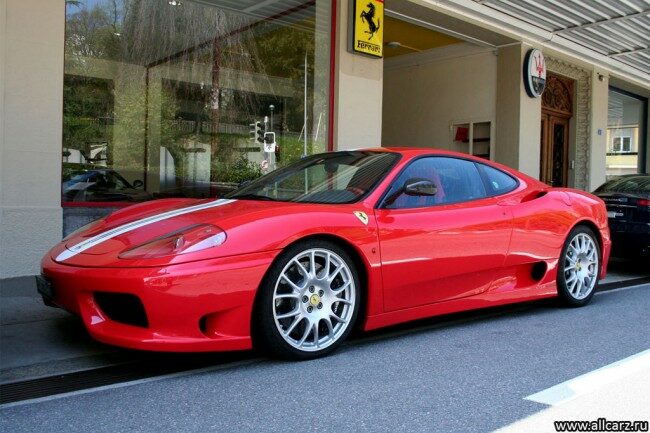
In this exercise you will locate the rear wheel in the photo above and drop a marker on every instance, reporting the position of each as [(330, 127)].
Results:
[(308, 302), (579, 267)]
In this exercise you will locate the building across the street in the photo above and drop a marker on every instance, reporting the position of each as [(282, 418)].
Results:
[(107, 103)]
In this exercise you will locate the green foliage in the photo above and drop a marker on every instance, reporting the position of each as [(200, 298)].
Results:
[(236, 172), (290, 149), (91, 32), (87, 112)]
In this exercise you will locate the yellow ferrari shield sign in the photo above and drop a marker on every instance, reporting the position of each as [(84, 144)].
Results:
[(368, 31)]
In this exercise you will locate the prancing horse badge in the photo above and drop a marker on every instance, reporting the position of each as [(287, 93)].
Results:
[(362, 216)]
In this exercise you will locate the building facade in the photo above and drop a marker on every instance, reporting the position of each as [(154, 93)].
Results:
[(106, 103)]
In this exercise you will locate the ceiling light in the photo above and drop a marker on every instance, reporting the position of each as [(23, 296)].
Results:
[(397, 44)]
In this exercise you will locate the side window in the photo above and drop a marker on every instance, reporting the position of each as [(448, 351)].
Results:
[(114, 182), (499, 182), (456, 180)]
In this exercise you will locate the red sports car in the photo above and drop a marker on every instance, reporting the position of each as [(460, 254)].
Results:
[(293, 261)]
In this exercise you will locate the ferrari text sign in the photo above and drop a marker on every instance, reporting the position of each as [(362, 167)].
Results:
[(367, 31)]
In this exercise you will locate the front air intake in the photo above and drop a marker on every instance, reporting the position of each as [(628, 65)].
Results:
[(122, 308)]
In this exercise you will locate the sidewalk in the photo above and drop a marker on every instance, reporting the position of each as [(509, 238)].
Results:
[(38, 341)]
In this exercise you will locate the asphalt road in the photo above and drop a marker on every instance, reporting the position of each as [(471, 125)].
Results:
[(470, 374)]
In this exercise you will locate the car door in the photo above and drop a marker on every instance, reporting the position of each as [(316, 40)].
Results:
[(445, 246)]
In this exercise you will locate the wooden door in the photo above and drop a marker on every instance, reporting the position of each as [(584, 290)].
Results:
[(554, 162), (557, 110)]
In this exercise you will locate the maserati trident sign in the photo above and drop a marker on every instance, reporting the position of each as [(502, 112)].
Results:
[(534, 73)]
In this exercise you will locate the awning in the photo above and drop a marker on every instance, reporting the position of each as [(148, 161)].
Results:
[(618, 29)]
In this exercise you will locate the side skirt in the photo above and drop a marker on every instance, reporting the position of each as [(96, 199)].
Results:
[(483, 300)]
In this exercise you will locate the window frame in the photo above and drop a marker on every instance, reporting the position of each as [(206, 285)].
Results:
[(622, 151)]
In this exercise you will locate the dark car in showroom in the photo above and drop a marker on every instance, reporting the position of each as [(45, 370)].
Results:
[(627, 199), (100, 184)]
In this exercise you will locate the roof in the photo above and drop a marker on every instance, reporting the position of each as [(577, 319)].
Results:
[(618, 29)]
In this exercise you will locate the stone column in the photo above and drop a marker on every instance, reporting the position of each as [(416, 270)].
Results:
[(358, 92), (598, 126), (31, 116), (518, 116)]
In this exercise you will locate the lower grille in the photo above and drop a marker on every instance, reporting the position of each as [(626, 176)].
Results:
[(123, 308)]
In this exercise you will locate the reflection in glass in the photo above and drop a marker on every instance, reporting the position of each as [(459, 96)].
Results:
[(625, 133), (163, 94)]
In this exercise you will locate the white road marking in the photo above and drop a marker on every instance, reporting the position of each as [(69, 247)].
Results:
[(109, 234), (589, 382)]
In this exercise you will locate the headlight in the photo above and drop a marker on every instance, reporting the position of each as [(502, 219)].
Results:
[(186, 240)]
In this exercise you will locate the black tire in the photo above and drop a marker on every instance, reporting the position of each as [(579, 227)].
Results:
[(266, 330), (568, 293)]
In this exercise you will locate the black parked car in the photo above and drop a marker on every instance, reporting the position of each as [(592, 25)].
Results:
[(628, 208)]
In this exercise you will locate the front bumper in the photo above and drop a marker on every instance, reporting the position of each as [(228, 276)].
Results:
[(191, 307)]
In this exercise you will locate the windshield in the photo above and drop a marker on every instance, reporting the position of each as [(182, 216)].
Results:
[(637, 184), (337, 177)]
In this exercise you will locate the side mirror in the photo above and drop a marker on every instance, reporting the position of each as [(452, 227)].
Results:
[(415, 186), (419, 186), (138, 184)]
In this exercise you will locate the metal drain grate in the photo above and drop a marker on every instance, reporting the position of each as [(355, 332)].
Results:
[(624, 283), (80, 380)]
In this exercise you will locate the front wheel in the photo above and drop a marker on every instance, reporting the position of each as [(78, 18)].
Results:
[(579, 267), (308, 302)]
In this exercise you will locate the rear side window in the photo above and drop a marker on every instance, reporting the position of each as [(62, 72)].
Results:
[(498, 181)]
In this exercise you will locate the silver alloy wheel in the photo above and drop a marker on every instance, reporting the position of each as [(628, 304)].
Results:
[(581, 263), (313, 299)]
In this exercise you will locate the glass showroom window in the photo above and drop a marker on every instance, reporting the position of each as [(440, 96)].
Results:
[(626, 133), (175, 98)]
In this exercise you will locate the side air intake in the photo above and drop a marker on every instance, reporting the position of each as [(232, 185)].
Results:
[(538, 271)]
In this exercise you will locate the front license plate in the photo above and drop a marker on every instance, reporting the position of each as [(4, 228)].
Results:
[(44, 287)]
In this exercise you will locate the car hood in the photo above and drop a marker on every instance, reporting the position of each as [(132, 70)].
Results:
[(139, 224), (250, 226)]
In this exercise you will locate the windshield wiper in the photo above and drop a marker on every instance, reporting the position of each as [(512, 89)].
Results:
[(253, 197)]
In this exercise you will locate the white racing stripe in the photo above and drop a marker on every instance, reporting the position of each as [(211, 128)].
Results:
[(110, 234), (593, 380)]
